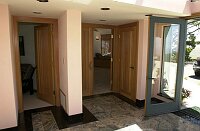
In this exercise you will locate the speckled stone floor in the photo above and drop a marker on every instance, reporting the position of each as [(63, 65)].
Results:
[(44, 121), (101, 80), (115, 114)]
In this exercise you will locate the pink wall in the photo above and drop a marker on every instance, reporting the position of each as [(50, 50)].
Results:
[(8, 100), (74, 57), (195, 7), (142, 59), (62, 37), (71, 60)]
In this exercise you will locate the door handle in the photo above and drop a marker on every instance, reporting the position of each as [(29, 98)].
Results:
[(132, 67), (153, 78)]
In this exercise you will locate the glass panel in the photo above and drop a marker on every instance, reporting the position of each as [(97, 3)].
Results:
[(165, 58), (102, 42)]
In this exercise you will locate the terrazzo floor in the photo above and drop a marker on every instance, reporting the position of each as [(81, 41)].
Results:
[(115, 114), (44, 121)]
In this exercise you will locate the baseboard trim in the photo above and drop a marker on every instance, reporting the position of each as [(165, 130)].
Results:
[(75, 118), (140, 103), (10, 129)]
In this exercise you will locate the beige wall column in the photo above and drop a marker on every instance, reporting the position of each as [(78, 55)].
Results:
[(8, 95), (69, 28)]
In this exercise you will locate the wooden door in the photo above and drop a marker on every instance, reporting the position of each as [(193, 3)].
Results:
[(87, 61), (44, 63), (128, 42)]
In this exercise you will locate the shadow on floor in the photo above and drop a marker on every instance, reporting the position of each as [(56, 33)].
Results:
[(195, 77), (190, 114)]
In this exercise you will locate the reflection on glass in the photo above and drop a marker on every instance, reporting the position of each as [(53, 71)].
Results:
[(102, 42), (106, 44), (164, 73)]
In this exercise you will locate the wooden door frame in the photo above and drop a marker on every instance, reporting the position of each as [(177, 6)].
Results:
[(93, 26), (54, 22)]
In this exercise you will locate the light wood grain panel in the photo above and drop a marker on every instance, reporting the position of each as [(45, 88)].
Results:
[(128, 59), (87, 61), (44, 63), (56, 61), (35, 19), (17, 66), (116, 60)]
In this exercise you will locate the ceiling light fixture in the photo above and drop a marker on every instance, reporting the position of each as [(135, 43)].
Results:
[(43, 0), (105, 8), (102, 20), (37, 12)]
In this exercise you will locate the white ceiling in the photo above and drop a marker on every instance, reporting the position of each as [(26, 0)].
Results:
[(120, 13)]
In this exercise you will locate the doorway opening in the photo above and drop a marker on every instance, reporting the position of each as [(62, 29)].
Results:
[(28, 63), (109, 59), (36, 57), (191, 77), (102, 45)]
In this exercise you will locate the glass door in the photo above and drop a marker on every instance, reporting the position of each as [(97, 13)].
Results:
[(165, 65)]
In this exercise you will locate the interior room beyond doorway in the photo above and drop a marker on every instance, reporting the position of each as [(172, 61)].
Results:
[(30, 47), (102, 40)]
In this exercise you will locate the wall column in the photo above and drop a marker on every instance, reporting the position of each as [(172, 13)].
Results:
[(8, 95), (70, 58)]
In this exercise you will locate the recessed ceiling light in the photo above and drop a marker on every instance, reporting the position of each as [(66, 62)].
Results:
[(102, 20), (37, 12), (105, 8), (43, 0)]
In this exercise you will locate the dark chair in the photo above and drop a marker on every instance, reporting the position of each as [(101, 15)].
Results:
[(27, 71)]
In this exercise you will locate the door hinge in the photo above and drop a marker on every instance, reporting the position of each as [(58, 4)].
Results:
[(111, 59), (112, 36), (54, 93), (119, 36)]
